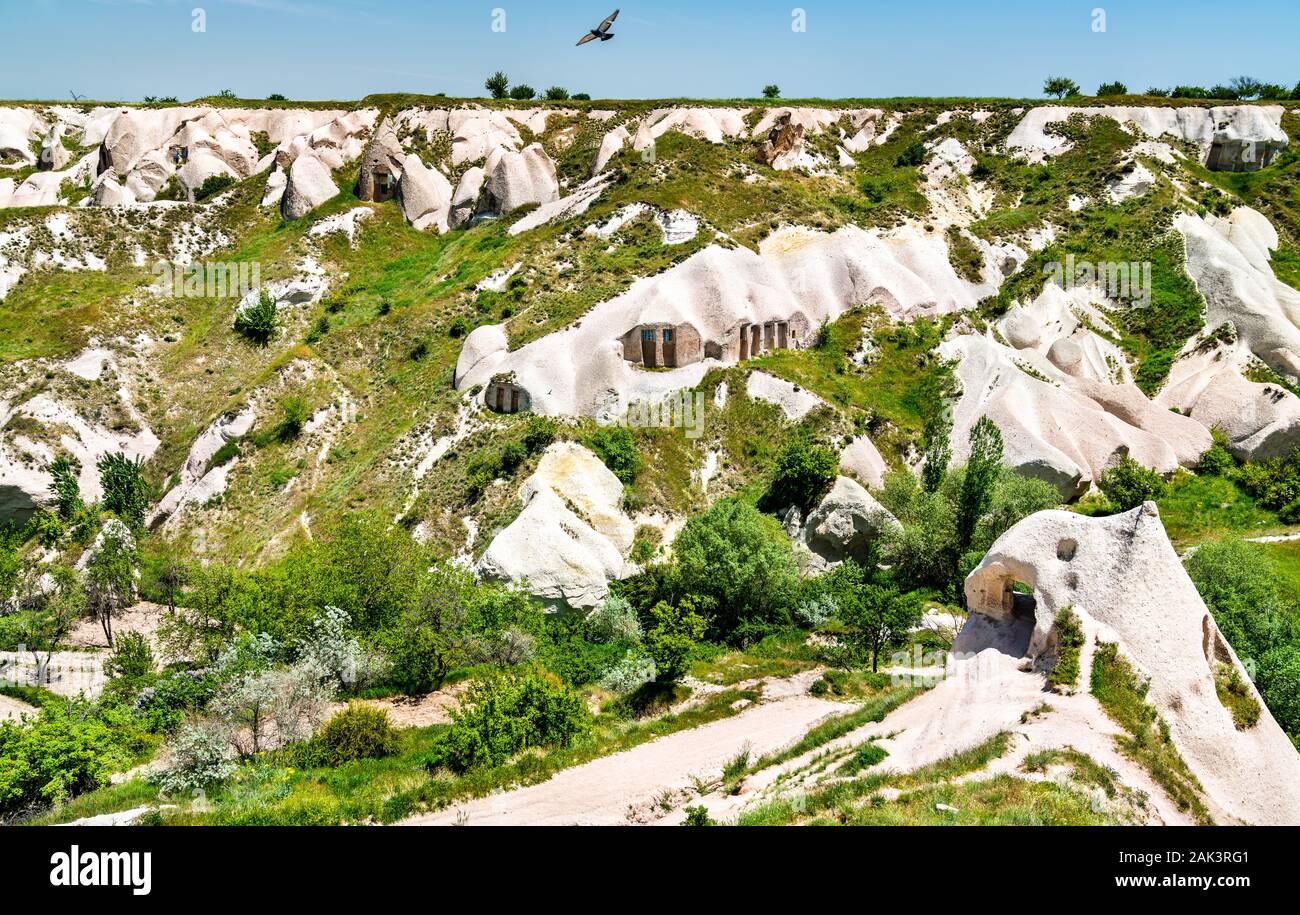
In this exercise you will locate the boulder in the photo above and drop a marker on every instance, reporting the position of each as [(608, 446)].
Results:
[(464, 203), (571, 537), (783, 145), (861, 458), (309, 185), (610, 144), (54, 155), (518, 178), (844, 525), (1122, 578), (424, 194)]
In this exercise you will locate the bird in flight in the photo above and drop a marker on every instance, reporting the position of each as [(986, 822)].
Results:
[(601, 31)]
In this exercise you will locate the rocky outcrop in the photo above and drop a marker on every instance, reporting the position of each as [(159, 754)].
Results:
[(1122, 577), (861, 458), (783, 145), (571, 537), (464, 203), (610, 145), (518, 178), (844, 525), (425, 195), (54, 155), (199, 480), (309, 185), (382, 159)]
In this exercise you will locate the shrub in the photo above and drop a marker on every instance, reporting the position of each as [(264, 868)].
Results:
[(294, 414), (556, 94), (801, 474), (65, 486), (670, 641), (635, 670), (698, 816), (357, 732), (912, 155), (1278, 680), (131, 659), (1060, 86), (200, 758), (258, 321), (771, 90), (459, 328), (1069, 641), (62, 751), (1108, 89), (615, 446), (126, 492), (581, 97), (213, 185), (738, 565), (522, 92), (615, 620), (816, 611), (1239, 586), (1127, 484), (508, 712)]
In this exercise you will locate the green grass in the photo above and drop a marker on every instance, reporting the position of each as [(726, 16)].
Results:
[(1064, 676), (1236, 696), (972, 760), (780, 655), (1123, 696), (1198, 507)]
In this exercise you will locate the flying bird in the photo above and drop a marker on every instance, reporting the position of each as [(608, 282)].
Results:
[(601, 31)]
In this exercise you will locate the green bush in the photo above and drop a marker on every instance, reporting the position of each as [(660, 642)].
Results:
[(131, 658), (616, 447), (64, 750), (213, 185), (673, 637), (738, 566), (259, 321), (522, 92), (1127, 484), (508, 712), (801, 474), (126, 492), (1069, 642), (912, 155), (357, 732)]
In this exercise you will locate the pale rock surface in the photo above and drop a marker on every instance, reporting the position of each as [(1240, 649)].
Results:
[(1123, 573), (862, 458), (565, 207), (310, 184), (425, 195), (464, 202), (794, 401), (518, 178), (198, 480), (710, 124), (610, 144), (566, 557), (843, 525)]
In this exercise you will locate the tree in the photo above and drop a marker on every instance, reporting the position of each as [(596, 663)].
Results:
[(126, 492), (801, 473), (982, 470), (498, 84), (42, 627), (273, 708), (557, 94), (771, 90), (110, 575), (1127, 484), (1279, 683), (616, 447), (66, 488), (738, 566), (673, 637), (258, 321), (1245, 86), (522, 92), (878, 615), (938, 452), (1238, 583), (1115, 88), (1060, 86)]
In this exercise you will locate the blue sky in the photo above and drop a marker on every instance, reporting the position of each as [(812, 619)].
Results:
[(345, 49)]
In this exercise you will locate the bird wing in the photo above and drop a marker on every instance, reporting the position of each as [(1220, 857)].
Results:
[(586, 38), (609, 20)]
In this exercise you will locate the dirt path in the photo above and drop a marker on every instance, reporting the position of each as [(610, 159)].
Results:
[(13, 709), (623, 788)]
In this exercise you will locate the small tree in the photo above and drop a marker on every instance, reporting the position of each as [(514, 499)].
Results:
[(616, 447), (1060, 86), (1245, 86), (294, 414), (110, 575), (1108, 89), (1127, 484), (66, 488), (498, 84), (938, 452), (771, 90), (273, 708), (43, 627), (132, 659), (801, 473), (258, 322), (523, 92), (557, 94), (126, 492), (878, 615), (982, 470), (674, 635)]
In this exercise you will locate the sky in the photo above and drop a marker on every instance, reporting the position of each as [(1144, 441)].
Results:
[(345, 49)]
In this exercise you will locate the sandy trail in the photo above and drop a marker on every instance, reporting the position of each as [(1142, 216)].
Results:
[(619, 789), (13, 709)]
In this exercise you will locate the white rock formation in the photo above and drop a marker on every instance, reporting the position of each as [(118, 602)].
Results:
[(1193, 125), (198, 480), (710, 124), (794, 401), (464, 203), (843, 525), (1122, 573), (518, 178), (581, 370), (571, 537), (861, 458), (310, 184), (610, 144), (425, 195), (565, 207)]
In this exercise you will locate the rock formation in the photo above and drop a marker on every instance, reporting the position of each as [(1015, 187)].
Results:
[(844, 525), (1122, 573), (425, 195), (310, 184)]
